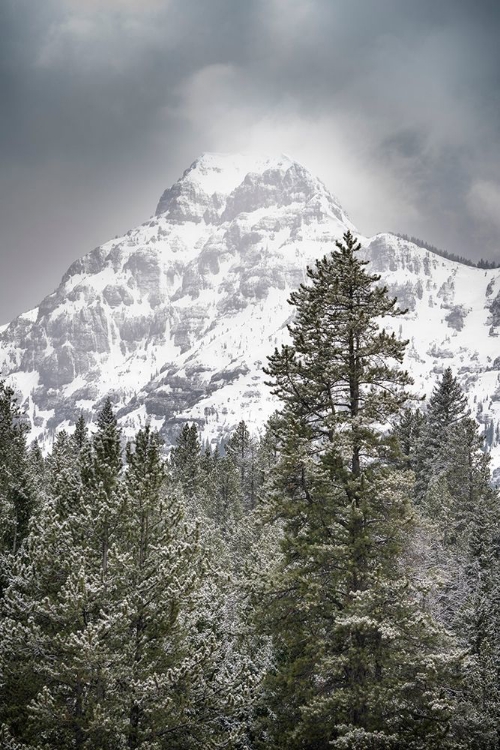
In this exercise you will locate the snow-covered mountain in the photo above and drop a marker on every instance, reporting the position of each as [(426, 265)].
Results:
[(175, 319)]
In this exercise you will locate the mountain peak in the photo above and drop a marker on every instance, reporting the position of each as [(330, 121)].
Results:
[(223, 172), (217, 185)]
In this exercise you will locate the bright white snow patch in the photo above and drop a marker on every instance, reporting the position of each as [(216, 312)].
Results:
[(30, 315), (222, 173)]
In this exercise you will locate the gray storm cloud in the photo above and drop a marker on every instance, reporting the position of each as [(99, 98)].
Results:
[(394, 105)]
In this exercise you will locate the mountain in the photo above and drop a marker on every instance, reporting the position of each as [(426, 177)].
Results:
[(174, 320)]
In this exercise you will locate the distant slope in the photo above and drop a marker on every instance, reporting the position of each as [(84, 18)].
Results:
[(486, 264)]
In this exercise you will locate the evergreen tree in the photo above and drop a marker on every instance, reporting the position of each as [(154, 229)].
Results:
[(80, 434), (465, 511), (477, 623), (407, 431), (358, 664), (221, 499), (185, 460), (49, 655), (241, 448), (101, 469), (446, 409), (447, 404), (142, 653), (107, 447), (210, 483), (62, 476), (17, 495), (36, 460), (468, 480), (171, 685)]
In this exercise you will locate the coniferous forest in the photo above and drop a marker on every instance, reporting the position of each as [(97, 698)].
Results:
[(333, 582)]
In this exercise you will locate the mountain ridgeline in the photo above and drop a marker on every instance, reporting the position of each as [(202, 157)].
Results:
[(487, 264), (174, 320)]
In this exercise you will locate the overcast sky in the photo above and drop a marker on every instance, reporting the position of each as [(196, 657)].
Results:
[(395, 104)]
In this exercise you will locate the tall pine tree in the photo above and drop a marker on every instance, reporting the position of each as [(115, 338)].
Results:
[(17, 493), (358, 664), (241, 448)]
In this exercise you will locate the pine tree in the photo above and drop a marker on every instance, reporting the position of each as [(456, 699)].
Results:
[(358, 664), (171, 684), (107, 447), (141, 653), (407, 431), (465, 510), (447, 404), (222, 499), (17, 499), (446, 409), (101, 469), (62, 476), (185, 459), (452, 469), (468, 479), (241, 448), (80, 434), (49, 654), (477, 623)]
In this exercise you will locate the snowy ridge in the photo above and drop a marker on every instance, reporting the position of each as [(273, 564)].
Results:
[(175, 319)]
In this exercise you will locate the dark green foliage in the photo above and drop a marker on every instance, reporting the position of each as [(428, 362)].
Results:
[(185, 460), (106, 443), (407, 431), (223, 499), (456, 496), (62, 475), (441, 433), (80, 435), (101, 466), (353, 649), (117, 630), (241, 449), (213, 485), (447, 407), (17, 493), (447, 404), (477, 622)]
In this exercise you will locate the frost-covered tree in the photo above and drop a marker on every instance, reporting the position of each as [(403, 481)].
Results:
[(62, 476), (173, 682), (464, 509), (358, 663), (241, 448), (185, 461), (224, 500), (49, 628), (447, 407), (137, 648), (17, 493), (53, 652), (477, 623), (407, 430), (101, 468), (212, 485), (80, 434)]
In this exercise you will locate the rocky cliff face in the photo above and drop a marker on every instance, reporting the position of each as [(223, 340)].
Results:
[(175, 319)]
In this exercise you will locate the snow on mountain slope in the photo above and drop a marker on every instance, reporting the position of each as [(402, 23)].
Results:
[(175, 319)]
